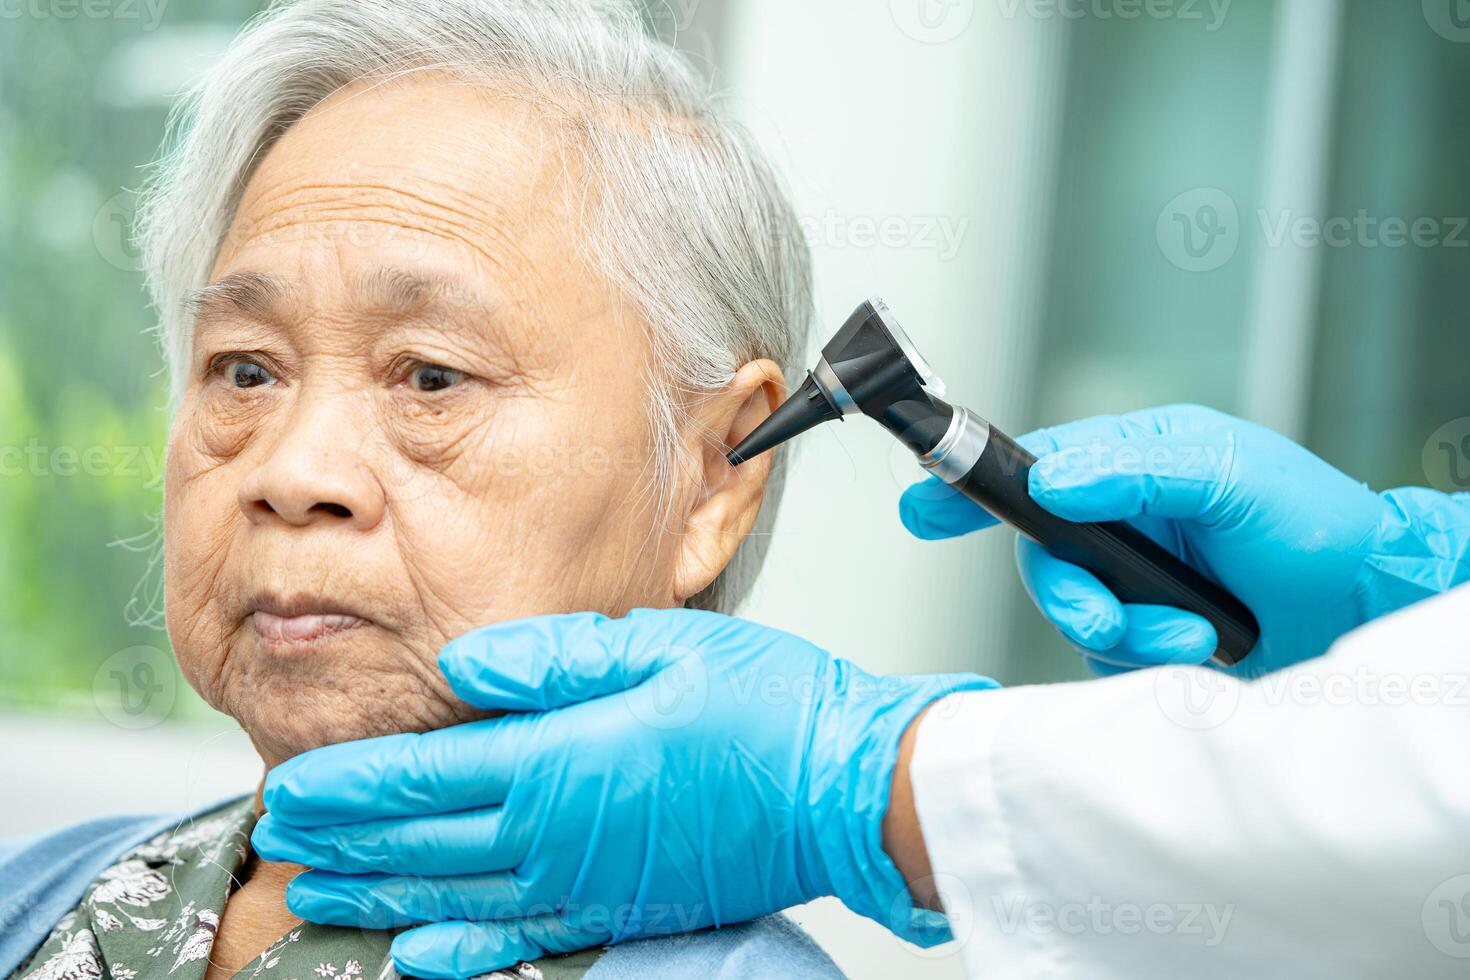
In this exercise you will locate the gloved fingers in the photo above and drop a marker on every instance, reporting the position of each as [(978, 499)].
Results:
[(933, 510), (454, 950), (1160, 635), (1107, 633), (1081, 433), (1178, 476), (1109, 429), (456, 768), (380, 901), (1084, 609), (464, 842), (1156, 635), (547, 662)]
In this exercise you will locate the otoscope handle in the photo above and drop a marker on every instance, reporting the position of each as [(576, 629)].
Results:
[(1131, 564)]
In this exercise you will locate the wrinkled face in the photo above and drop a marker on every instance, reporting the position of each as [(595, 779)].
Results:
[(410, 411)]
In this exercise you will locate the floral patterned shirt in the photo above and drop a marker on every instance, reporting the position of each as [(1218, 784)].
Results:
[(153, 916)]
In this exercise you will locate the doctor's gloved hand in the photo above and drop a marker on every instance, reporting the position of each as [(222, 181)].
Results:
[(1312, 552), (668, 771)]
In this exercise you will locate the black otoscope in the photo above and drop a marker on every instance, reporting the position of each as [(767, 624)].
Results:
[(873, 368)]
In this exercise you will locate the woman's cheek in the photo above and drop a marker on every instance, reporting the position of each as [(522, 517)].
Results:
[(201, 513), (195, 623), (470, 445), (223, 422), (434, 432)]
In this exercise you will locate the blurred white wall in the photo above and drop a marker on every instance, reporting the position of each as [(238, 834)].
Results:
[(873, 127), (938, 122), (57, 770)]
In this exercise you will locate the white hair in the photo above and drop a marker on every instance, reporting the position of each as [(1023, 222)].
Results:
[(690, 223)]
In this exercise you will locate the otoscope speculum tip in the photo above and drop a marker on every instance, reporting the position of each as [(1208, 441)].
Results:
[(807, 408)]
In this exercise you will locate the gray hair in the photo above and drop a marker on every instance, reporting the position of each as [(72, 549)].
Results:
[(690, 223)]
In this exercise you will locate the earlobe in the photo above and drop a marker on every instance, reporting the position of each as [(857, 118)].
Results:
[(728, 499)]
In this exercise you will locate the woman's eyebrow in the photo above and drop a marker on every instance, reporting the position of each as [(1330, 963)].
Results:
[(393, 292), (405, 293), (451, 303), (260, 296)]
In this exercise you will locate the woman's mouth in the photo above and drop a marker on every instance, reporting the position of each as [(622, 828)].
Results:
[(300, 621), (295, 630)]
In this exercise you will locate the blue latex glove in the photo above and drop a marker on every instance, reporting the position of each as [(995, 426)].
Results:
[(1312, 552), (681, 769)]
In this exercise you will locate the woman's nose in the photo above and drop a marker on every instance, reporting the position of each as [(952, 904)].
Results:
[(311, 477)]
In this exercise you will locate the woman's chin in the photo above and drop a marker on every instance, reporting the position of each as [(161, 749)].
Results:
[(294, 697)]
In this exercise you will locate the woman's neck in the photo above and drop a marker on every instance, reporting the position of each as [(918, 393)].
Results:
[(255, 914)]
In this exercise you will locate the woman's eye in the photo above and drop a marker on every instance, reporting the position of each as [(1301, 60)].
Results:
[(247, 374), (431, 377)]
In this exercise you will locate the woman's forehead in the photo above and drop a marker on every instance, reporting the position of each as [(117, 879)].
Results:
[(423, 156), (418, 197)]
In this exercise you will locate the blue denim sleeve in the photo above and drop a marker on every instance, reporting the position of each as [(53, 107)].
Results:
[(770, 947)]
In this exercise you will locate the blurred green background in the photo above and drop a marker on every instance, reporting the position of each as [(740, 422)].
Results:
[(83, 101), (1328, 109)]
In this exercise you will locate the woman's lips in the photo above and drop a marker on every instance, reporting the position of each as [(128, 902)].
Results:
[(292, 631)]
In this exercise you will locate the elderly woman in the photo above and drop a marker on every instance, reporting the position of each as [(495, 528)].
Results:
[(462, 302)]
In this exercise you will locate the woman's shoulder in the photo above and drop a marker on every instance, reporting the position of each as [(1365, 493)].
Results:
[(47, 855), (98, 839), (52, 870), (42, 876), (770, 947)]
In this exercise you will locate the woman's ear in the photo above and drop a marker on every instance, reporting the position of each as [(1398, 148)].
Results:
[(728, 498)]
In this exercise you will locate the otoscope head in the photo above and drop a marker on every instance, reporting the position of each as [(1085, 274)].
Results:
[(866, 367)]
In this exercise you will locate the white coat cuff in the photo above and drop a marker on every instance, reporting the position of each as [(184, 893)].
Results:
[(957, 793)]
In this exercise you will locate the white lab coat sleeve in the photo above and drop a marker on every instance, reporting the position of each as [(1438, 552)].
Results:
[(1178, 823)]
